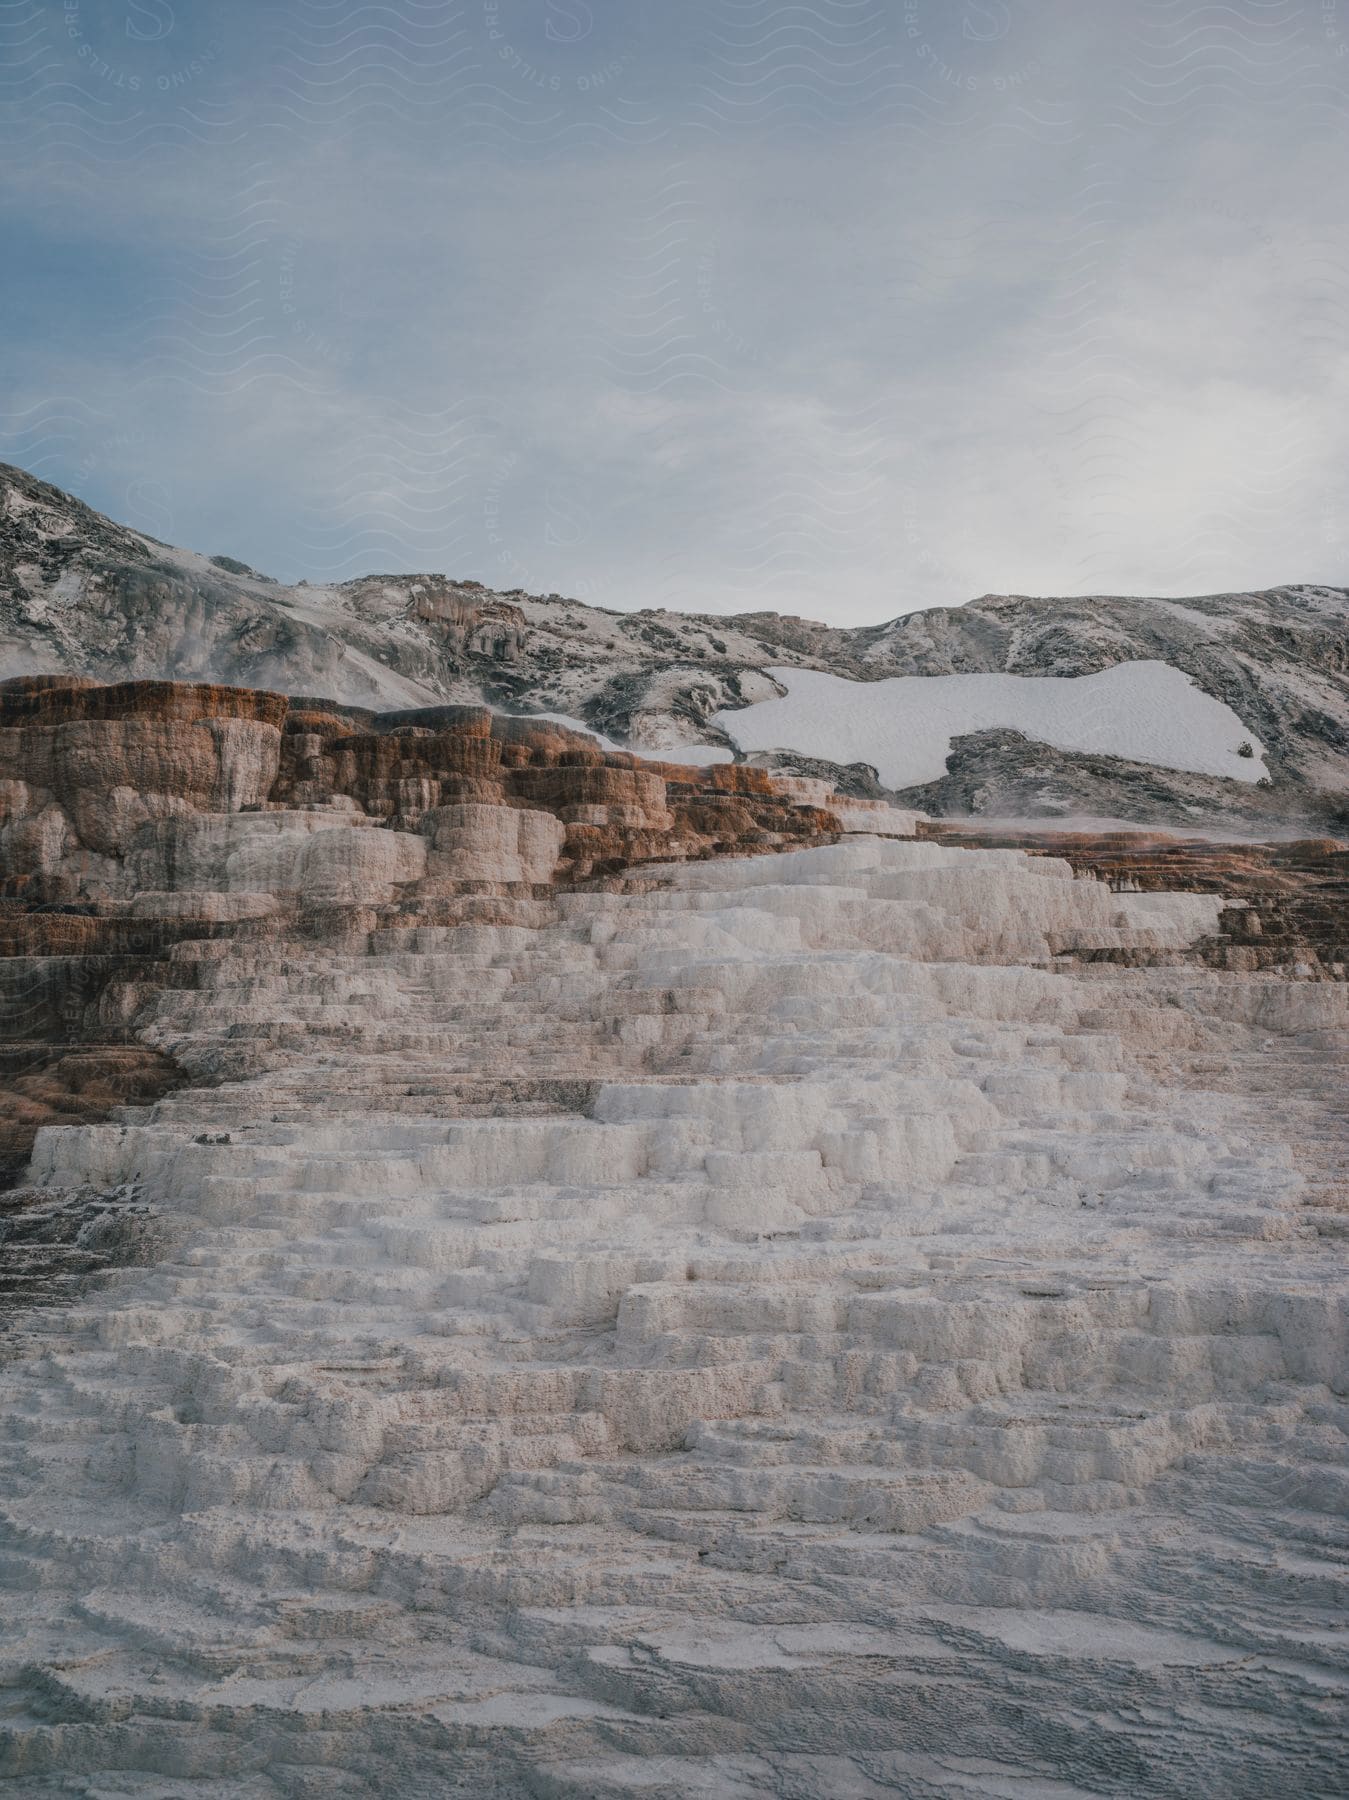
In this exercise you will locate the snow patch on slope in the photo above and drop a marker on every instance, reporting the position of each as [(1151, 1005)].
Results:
[(1145, 712)]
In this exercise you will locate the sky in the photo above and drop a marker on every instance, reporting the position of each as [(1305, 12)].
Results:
[(842, 308)]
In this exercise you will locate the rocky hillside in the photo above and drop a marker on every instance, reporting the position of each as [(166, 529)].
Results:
[(81, 594)]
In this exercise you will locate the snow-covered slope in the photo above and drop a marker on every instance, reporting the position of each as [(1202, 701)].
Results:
[(1146, 712), (82, 594)]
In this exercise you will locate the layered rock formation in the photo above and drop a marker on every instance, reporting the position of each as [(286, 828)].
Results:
[(103, 789), (655, 1282), (80, 593), (138, 816)]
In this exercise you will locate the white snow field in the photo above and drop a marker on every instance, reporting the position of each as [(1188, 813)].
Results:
[(779, 1328), (903, 727)]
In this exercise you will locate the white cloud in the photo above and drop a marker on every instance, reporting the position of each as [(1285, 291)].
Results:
[(1002, 340)]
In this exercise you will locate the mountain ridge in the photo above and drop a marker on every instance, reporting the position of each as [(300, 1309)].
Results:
[(80, 593)]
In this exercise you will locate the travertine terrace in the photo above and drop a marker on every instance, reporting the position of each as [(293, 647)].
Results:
[(652, 1283)]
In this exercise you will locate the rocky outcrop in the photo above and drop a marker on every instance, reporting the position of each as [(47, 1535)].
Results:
[(50, 1083), (126, 793), (83, 768), (81, 594), (1006, 775)]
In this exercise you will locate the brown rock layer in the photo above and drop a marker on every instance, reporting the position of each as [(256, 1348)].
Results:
[(85, 770), (46, 1084)]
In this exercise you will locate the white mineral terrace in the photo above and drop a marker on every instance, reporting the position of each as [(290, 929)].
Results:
[(786, 1328)]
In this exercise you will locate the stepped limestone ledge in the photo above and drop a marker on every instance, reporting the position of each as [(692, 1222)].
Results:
[(644, 1283)]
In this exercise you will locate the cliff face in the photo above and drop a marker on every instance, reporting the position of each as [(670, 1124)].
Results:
[(125, 793), (80, 594), (83, 768)]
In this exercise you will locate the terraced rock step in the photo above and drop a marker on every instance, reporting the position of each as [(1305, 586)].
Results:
[(46, 1083), (791, 1325), (55, 1243), (1288, 902)]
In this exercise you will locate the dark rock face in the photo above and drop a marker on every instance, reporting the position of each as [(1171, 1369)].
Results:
[(81, 594), (1005, 775), (54, 1242)]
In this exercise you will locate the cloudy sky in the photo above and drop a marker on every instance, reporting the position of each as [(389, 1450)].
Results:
[(840, 308)]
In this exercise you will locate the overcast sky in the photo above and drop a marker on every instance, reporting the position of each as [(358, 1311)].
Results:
[(840, 308)]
